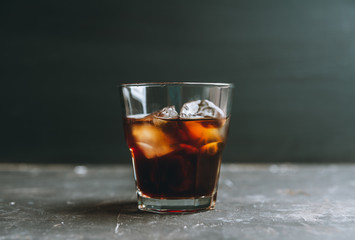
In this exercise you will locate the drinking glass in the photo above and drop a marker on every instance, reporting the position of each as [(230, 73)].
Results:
[(176, 133)]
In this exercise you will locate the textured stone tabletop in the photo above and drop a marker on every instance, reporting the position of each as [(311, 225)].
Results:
[(254, 202)]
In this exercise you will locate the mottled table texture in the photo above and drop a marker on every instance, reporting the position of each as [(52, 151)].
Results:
[(254, 202)]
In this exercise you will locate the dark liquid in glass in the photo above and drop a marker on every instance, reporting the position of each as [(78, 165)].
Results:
[(176, 158)]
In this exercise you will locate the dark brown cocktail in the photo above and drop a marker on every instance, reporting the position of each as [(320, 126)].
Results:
[(176, 158), (176, 132)]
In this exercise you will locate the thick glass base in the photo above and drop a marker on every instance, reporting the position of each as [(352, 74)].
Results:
[(189, 205)]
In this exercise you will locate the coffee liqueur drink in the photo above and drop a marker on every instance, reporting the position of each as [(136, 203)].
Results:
[(176, 158), (176, 133)]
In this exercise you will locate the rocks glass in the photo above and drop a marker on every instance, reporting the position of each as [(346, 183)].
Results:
[(176, 132)]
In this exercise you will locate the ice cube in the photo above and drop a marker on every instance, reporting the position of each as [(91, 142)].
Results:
[(212, 148), (200, 109), (168, 112), (152, 141), (200, 134)]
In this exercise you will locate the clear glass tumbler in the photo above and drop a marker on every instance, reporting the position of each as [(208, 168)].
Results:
[(176, 132)]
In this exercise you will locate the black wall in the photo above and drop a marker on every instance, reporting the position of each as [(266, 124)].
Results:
[(292, 63)]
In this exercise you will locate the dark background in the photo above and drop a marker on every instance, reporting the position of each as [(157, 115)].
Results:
[(292, 63)]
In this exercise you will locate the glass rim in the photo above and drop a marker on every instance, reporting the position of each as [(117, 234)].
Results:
[(207, 84)]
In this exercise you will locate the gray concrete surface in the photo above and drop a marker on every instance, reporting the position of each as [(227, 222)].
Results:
[(254, 202)]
